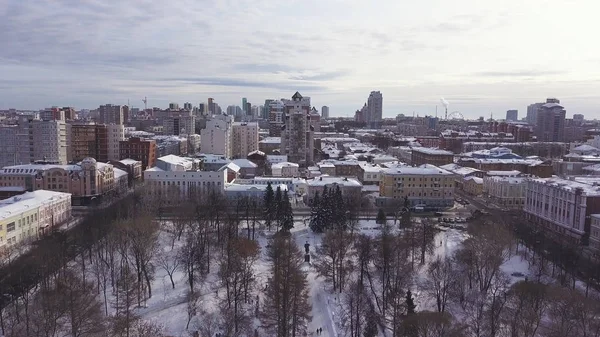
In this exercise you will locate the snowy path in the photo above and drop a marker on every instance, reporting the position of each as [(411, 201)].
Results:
[(321, 313)]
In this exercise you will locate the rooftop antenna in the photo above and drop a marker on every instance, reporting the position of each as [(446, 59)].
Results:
[(145, 100)]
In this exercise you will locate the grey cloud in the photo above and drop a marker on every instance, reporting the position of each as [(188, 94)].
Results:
[(262, 68), (229, 82), (519, 73), (321, 77)]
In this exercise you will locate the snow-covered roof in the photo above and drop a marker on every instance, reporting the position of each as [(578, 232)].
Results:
[(175, 160), (34, 168), (552, 105), (244, 163), (271, 140), (425, 169), (590, 186), (508, 180), (477, 180), (231, 166), (512, 173), (28, 201), (585, 148), (328, 180), (284, 164), (530, 162), (129, 161), (118, 173), (339, 140), (257, 187), (432, 151)]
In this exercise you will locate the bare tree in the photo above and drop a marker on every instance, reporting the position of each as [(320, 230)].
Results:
[(123, 304), (83, 310), (169, 264), (441, 278), (528, 303), (334, 262)]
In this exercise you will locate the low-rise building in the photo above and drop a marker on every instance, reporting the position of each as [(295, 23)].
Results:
[(175, 178), (370, 174), (473, 185), (350, 188), (505, 191), (247, 168), (532, 166), (26, 217), (87, 181), (240, 191), (285, 169), (269, 144), (563, 206), (426, 155), (426, 185)]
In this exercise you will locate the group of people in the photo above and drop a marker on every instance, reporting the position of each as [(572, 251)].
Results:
[(319, 331)]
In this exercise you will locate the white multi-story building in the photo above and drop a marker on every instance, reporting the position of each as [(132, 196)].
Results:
[(244, 139), (508, 192), (563, 206), (26, 217), (42, 140), (216, 137), (10, 145), (285, 169), (175, 178), (375, 106), (297, 134), (325, 112), (115, 134)]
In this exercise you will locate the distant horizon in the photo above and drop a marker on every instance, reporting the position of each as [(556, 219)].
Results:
[(482, 57)]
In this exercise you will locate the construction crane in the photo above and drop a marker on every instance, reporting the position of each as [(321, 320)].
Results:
[(145, 100)]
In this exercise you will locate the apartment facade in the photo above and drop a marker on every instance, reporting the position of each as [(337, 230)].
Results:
[(424, 185), (175, 178), (136, 148), (216, 137), (506, 191), (244, 139), (111, 114), (425, 155), (550, 126), (44, 140), (563, 206), (297, 133), (26, 217), (180, 124), (85, 181)]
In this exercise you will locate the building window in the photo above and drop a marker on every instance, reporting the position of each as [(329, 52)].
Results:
[(10, 227)]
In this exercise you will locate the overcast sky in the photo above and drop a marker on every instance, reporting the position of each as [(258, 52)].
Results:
[(482, 56)]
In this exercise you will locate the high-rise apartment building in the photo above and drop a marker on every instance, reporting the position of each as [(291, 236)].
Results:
[(111, 114), (41, 140), (56, 113), (512, 115), (266, 108), (173, 106), (375, 106), (216, 137), (10, 145), (115, 134), (187, 106), (180, 124), (99, 141), (211, 106), (244, 139), (297, 133), (244, 105), (275, 118), (136, 148), (532, 110), (578, 118), (550, 126), (87, 140), (324, 112)]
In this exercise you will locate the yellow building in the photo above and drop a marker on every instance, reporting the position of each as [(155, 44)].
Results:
[(473, 185), (426, 186), (24, 218)]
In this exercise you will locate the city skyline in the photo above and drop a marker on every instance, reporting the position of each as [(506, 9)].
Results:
[(482, 58)]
